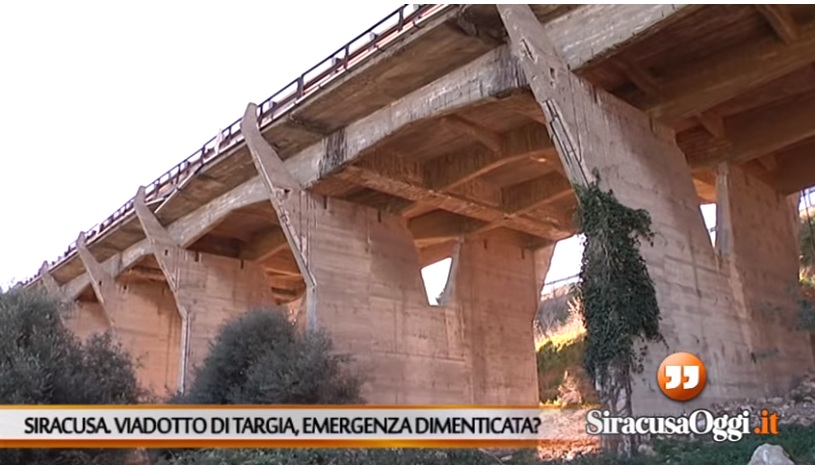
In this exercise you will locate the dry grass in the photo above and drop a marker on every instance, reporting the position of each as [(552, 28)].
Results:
[(564, 334)]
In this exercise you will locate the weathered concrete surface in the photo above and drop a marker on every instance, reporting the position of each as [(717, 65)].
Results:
[(364, 287), (143, 318), (496, 290), (759, 241), (639, 160), (86, 319), (208, 290)]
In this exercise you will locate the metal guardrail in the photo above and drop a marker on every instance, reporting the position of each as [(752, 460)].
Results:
[(552, 286), (353, 53)]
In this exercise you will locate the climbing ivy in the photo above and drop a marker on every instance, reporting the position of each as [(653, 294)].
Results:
[(618, 297)]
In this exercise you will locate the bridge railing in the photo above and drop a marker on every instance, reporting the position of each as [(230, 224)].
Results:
[(551, 286), (350, 55)]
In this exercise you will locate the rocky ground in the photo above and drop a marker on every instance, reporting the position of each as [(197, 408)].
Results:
[(798, 407)]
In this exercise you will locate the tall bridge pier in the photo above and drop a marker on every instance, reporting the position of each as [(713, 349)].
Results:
[(459, 132)]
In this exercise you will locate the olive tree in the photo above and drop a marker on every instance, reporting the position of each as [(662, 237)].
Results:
[(43, 363)]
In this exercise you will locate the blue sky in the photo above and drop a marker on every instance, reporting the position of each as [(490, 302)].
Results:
[(101, 97)]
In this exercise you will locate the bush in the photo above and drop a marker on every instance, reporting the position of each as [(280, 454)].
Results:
[(42, 363), (260, 358)]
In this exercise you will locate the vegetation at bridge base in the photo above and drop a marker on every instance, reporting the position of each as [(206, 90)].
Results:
[(41, 362), (261, 358), (806, 319), (619, 304)]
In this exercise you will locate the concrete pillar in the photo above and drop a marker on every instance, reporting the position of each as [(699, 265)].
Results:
[(496, 287), (142, 316), (761, 249), (208, 290), (639, 160), (364, 287)]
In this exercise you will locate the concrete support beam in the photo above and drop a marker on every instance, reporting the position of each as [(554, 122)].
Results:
[(490, 76), (451, 170), (581, 42), (265, 246), (483, 135), (696, 300), (142, 316), (753, 134), (208, 290), (781, 20), (48, 283), (449, 202), (529, 195), (713, 123), (103, 283), (717, 79), (441, 225)]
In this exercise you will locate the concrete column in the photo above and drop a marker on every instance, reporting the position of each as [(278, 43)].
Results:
[(208, 290), (142, 316), (364, 287), (639, 160), (496, 287), (761, 250)]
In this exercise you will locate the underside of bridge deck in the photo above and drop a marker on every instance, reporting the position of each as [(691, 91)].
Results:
[(736, 83)]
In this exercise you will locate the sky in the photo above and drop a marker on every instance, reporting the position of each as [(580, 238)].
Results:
[(100, 97)]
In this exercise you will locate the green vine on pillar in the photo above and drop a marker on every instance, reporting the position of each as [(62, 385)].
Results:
[(619, 303)]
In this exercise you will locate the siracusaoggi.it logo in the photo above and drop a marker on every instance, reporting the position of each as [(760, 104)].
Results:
[(682, 376)]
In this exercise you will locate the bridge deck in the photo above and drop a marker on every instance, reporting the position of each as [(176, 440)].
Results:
[(433, 121)]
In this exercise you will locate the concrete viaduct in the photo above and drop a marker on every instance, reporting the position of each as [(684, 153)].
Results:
[(458, 131)]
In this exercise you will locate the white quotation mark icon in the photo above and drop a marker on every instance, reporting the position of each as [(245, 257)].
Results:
[(676, 374)]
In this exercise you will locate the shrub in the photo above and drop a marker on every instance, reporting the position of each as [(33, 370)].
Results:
[(42, 363), (260, 358)]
